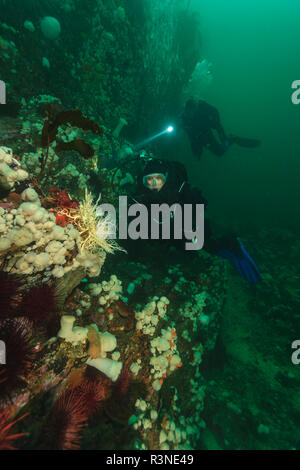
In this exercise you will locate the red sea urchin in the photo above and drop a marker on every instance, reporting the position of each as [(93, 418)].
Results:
[(6, 439), (122, 384), (67, 418), (39, 305), (92, 388), (17, 336), (9, 286), (93, 393)]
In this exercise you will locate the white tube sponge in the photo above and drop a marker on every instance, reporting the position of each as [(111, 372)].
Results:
[(175, 361), (30, 195), (108, 342), (22, 175), (8, 175), (20, 237), (70, 333), (107, 366), (41, 261), (50, 27), (58, 272), (27, 209), (66, 326), (121, 124), (5, 243)]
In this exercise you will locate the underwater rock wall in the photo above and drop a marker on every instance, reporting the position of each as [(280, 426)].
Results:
[(113, 361), (135, 59), (134, 360), (123, 60), (122, 351)]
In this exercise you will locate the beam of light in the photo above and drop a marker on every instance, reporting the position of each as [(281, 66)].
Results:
[(168, 130)]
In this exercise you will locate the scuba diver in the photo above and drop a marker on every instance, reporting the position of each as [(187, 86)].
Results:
[(199, 120), (167, 182)]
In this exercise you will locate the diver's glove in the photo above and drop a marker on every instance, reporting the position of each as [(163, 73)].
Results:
[(242, 260)]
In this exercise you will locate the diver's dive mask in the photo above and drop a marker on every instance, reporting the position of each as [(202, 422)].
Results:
[(155, 180)]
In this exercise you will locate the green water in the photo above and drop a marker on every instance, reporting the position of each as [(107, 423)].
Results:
[(254, 49)]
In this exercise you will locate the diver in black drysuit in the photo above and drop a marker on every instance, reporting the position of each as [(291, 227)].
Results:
[(199, 120), (167, 182)]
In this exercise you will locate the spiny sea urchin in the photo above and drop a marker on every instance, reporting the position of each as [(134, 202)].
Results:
[(6, 439), (67, 418), (92, 389), (39, 305), (122, 384), (17, 336), (93, 393), (9, 286)]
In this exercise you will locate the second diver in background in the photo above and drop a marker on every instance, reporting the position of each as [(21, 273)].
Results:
[(200, 120)]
